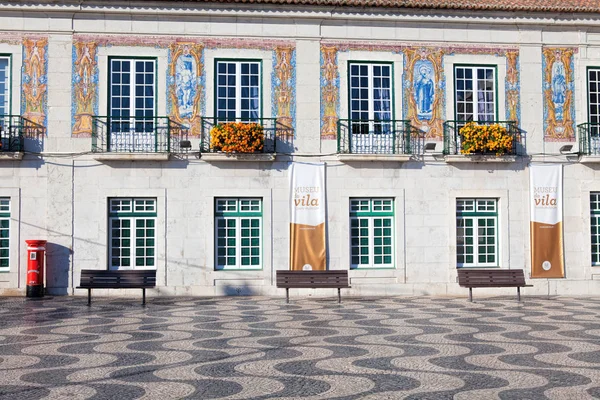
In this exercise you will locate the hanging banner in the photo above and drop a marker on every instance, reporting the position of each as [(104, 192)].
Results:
[(307, 216), (545, 191)]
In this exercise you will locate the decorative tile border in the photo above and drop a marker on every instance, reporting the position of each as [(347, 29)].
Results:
[(429, 115), (34, 99), (558, 89), (186, 76)]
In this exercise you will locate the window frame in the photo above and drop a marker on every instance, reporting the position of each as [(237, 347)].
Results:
[(474, 67), (475, 216), (588, 94), (371, 64), (9, 82), (5, 217), (238, 216), (109, 71), (370, 215), (238, 61), (594, 213), (132, 216)]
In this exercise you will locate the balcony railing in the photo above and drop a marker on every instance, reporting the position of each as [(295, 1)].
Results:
[(589, 138), (137, 135), (453, 140), (271, 130), (13, 131), (378, 137)]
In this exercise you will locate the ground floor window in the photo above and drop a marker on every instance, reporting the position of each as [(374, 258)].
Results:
[(238, 233), (4, 233), (371, 233), (476, 232), (132, 233), (595, 226)]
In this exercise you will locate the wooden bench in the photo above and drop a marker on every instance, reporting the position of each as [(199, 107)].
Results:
[(105, 279), (480, 278), (312, 280)]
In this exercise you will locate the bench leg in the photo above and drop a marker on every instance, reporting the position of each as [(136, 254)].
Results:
[(89, 297), (471, 294), (518, 294), (287, 295), (339, 295), (143, 296)]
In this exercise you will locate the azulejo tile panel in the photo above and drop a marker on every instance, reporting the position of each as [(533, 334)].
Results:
[(34, 97), (423, 82), (186, 76), (558, 90)]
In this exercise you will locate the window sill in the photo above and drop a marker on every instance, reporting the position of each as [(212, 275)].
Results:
[(375, 157), (589, 159), (225, 157), (131, 156), (477, 158), (11, 155)]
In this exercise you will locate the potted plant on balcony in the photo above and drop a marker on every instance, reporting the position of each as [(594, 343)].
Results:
[(237, 137), (485, 139)]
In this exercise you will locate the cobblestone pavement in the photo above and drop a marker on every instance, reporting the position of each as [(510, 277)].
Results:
[(259, 348)]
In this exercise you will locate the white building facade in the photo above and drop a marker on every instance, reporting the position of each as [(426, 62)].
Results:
[(107, 154)]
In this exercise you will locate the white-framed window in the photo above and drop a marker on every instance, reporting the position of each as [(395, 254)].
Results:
[(132, 233), (238, 90), (238, 233), (594, 106), (371, 233), (5, 85), (477, 232), (4, 233), (475, 93), (132, 104), (595, 226), (370, 92)]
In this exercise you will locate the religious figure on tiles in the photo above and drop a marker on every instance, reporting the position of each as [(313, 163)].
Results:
[(559, 88), (185, 83), (424, 89)]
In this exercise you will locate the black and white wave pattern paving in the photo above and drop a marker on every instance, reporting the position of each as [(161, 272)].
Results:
[(262, 348)]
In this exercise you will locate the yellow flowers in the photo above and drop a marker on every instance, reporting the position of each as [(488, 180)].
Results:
[(485, 139), (237, 137)]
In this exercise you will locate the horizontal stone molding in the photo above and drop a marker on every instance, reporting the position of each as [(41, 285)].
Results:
[(477, 158), (224, 157), (11, 155), (375, 157), (131, 156)]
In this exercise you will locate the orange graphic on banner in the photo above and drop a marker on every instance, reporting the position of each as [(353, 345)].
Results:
[(308, 247), (547, 250)]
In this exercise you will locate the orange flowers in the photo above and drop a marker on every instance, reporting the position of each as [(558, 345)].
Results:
[(237, 137), (485, 139)]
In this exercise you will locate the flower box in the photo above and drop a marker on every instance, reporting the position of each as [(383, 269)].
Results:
[(237, 137), (485, 139)]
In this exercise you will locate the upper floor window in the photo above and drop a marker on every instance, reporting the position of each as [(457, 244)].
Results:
[(132, 102), (5, 78), (475, 93), (238, 90), (594, 102), (370, 93)]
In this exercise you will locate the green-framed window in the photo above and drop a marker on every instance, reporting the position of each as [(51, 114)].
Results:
[(132, 233), (238, 90), (477, 232), (372, 233), (238, 233), (595, 226), (475, 93), (4, 233)]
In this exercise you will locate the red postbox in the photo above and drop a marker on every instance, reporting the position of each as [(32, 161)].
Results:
[(36, 252)]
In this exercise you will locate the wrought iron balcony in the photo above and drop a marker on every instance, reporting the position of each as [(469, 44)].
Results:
[(454, 139), (137, 135), (378, 137), (589, 138), (271, 130), (13, 131)]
